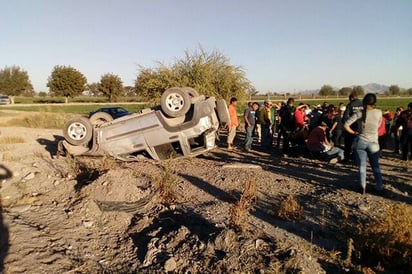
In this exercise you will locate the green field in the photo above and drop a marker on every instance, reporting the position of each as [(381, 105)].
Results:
[(383, 103)]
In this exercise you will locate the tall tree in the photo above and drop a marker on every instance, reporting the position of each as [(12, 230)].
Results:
[(14, 81), (409, 91), (93, 89), (111, 86), (394, 90), (327, 90), (209, 73), (66, 81), (359, 90), (129, 91), (345, 91)]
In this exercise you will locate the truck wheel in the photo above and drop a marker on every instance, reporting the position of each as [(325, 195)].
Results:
[(78, 131), (100, 118), (191, 91), (175, 102)]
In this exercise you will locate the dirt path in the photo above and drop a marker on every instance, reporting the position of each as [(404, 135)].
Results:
[(61, 215)]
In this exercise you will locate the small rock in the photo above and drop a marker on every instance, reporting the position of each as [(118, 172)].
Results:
[(259, 243), (29, 176), (87, 223), (21, 208), (363, 207), (56, 182), (170, 265)]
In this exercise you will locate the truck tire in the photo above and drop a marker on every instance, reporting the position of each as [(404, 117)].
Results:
[(191, 91), (175, 102), (100, 118), (78, 131)]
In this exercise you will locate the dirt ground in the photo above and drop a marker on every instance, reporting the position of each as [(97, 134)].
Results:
[(96, 215)]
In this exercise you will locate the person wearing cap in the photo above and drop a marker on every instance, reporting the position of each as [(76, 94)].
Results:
[(265, 119), (319, 145), (405, 121)]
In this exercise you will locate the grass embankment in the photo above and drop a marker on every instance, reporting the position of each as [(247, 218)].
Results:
[(53, 116), (75, 109)]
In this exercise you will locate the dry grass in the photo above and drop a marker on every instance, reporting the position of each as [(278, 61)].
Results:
[(41, 120), (11, 140), (238, 213), (166, 183), (388, 240), (289, 209), (102, 164), (7, 156)]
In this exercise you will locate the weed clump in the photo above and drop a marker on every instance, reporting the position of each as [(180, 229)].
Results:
[(289, 209), (238, 212), (166, 184), (388, 240)]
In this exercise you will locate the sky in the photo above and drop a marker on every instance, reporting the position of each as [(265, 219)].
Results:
[(283, 46)]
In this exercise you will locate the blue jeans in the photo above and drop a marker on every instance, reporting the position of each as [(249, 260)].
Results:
[(335, 152), (267, 137), (371, 149), (249, 137)]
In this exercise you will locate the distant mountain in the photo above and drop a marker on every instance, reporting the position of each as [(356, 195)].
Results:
[(375, 88), (369, 88)]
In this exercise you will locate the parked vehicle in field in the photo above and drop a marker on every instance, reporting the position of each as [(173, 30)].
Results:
[(185, 124), (4, 99), (107, 114)]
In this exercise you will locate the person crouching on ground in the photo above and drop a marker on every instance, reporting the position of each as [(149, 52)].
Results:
[(250, 121), (365, 142), (318, 143), (234, 122)]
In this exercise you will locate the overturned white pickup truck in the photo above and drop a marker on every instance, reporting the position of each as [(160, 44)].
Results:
[(185, 124)]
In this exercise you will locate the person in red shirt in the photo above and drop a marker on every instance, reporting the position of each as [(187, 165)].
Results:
[(318, 144), (234, 122), (301, 131), (300, 117), (382, 134)]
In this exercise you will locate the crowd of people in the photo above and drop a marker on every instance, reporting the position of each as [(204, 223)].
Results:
[(343, 133)]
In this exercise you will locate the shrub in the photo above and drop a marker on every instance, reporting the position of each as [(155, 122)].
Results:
[(289, 209), (388, 240), (239, 211)]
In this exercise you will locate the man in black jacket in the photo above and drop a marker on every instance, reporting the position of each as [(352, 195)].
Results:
[(355, 105), (287, 123)]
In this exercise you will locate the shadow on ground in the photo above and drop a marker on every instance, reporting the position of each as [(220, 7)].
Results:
[(5, 173)]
